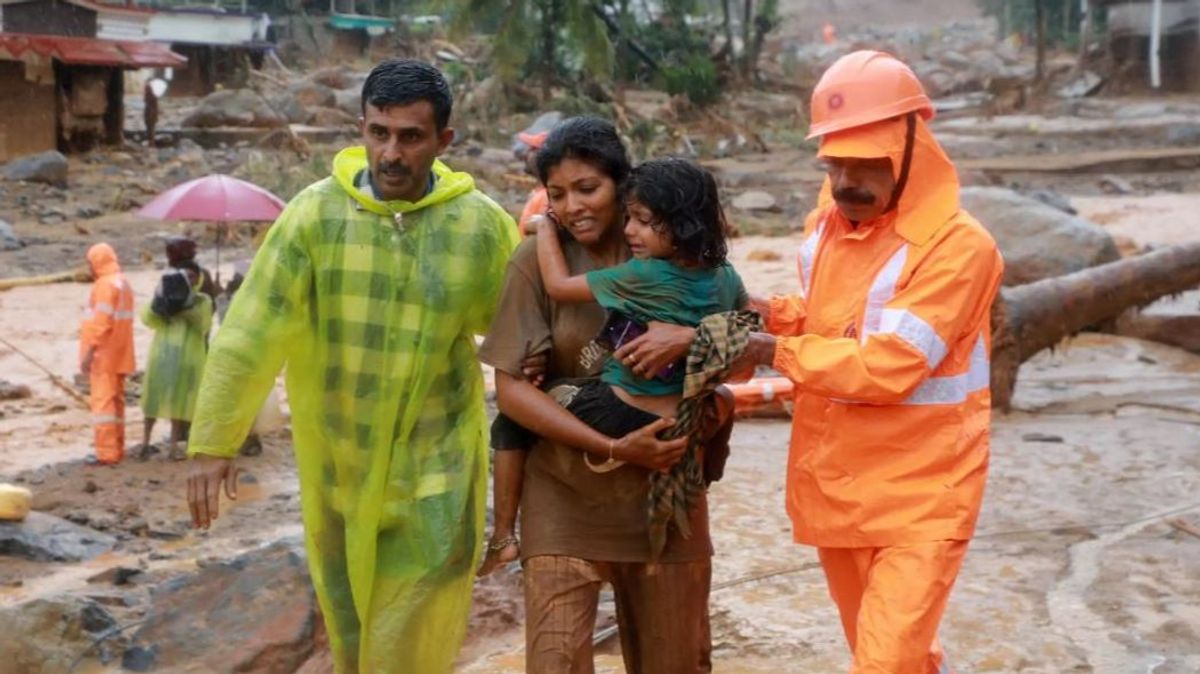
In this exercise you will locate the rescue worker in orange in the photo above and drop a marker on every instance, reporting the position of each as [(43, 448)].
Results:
[(887, 343), (538, 203), (106, 351)]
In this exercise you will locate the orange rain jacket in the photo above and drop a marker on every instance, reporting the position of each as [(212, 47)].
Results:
[(108, 318), (888, 345)]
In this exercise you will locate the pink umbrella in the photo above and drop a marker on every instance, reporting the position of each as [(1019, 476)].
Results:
[(215, 198)]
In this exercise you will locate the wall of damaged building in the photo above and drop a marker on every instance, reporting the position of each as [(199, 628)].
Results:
[(49, 17), (209, 66), (28, 110), (90, 108)]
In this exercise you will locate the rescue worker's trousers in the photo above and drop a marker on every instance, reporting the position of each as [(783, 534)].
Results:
[(662, 613), (891, 601), (108, 415)]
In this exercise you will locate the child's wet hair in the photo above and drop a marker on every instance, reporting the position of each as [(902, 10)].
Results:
[(686, 205)]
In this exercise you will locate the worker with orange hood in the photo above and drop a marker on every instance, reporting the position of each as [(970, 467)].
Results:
[(887, 343), (106, 351), (538, 203)]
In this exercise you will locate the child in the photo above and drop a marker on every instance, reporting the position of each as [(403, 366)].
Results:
[(676, 231)]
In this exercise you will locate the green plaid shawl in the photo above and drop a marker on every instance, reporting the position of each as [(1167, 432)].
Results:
[(720, 340)]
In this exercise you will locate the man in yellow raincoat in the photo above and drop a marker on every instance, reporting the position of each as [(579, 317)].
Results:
[(887, 343), (370, 287)]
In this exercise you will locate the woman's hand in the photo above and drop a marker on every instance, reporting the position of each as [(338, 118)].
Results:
[(662, 345), (533, 368), (643, 448)]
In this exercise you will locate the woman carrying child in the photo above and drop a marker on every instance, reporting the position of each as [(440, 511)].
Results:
[(584, 522), (177, 356)]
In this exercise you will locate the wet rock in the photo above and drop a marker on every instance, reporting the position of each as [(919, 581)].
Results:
[(117, 575), (234, 107), (338, 77), (1053, 199), (1115, 185), (1184, 134), (330, 117), (312, 95), (755, 200), (349, 102), (1037, 241), (46, 538), (46, 167), (8, 238), (9, 390), (138, 659), (49, 635), (254, 613), (291, 109), (1041, 437)]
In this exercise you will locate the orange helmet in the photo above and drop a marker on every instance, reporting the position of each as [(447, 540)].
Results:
[(864, 87)]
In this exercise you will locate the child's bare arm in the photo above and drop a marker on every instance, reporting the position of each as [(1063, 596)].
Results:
[(560, 285)]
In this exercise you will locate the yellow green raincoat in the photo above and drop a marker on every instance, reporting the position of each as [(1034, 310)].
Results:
[(176, 360), (375, 321)]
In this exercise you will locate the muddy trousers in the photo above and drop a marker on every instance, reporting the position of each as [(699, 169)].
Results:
[(891, 601), (107, 400), (662, 612)]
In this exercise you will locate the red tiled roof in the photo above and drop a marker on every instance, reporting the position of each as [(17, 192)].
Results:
[(87, 51)]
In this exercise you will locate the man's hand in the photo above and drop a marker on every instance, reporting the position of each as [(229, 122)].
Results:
[(662, 345), (760, 350), (642, 448), (206, 476), (85, 365), (760, 304)]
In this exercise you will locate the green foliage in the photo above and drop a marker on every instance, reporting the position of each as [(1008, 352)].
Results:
[(1020, 16), (695, 78), (578, 38)]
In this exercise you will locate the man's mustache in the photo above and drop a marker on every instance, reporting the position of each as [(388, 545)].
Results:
[(394, 169), (854, 195)]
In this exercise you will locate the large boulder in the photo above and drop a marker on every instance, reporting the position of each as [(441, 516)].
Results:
[(1037, 240), (45, 538), (255, 613), (49, 636), (46, 167), (234, 107)]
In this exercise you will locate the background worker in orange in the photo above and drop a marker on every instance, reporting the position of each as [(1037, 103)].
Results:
[(888, 346), (106, 350), (538, 203)]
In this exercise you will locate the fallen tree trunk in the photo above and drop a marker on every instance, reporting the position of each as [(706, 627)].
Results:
[(1029, 318), (78, 275)]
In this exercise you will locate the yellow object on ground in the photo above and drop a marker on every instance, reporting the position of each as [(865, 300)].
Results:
[(375, 320), (14, 502)]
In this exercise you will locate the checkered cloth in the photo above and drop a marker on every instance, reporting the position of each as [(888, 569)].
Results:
[(720, 340)]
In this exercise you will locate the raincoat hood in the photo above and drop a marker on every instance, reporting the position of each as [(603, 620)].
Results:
[(351, 161), (930, 196), (103, 260)]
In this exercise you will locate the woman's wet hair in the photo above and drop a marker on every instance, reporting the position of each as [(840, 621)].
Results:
[(589, 139), (686, 205)]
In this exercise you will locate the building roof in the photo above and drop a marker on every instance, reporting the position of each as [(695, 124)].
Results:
[(361, 22), (97, 6), (87, 51)]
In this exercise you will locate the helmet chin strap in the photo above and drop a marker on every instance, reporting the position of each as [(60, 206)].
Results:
[(909, 136)]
